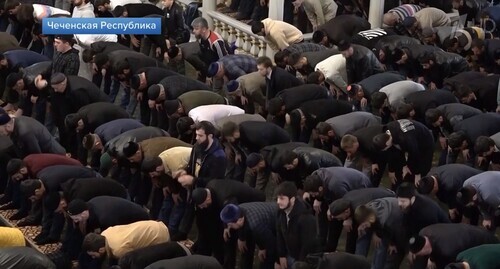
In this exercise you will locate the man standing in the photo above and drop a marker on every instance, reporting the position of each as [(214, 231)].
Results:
[(360, 61), (207, 162), (66, 59), (296, 227), (212, 45)]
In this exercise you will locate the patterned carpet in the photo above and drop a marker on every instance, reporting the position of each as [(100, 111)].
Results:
[(30, 232)]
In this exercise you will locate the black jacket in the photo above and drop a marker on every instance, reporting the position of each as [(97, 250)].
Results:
[(294, 97), (424, 100), (485, 89), (97, 114), (416, 139), (108, 211), (24, 258), (212, 163), (189, 262), (337, 181), (447, 64), (232, 192), (451, 178), (136, 60), (310, 160), (485, 124), (412, 67), (279, 81), (344, 27), (53, 176), (88, 188), (177, 85), (137, 135), (272, 153), (365, 139), (448, 240), (374, 83), (296, 233), (344, 260), (174, 21), (362, 64), (141, 258), (422, 213), (255, 135), (30, 136), (260, 224), (107, 47), (363, 196)]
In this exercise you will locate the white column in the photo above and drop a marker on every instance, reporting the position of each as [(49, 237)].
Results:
[(376, 13), (276, 9), (208, 5)]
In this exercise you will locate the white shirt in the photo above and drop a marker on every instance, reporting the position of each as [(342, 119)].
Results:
[(213, 113), (333, 68), (397, 91), (87, 11), (44, 11)]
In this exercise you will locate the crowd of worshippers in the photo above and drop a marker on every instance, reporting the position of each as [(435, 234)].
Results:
[(252, 162)]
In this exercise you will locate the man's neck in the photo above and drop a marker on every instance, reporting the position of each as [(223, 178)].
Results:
[(66, 50), (207, 35), (209, 145)]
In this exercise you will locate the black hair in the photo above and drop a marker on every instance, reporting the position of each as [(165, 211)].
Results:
[(173, 52), (313, 78), (427, 58), (257, 27), (287, 157), (206, 126), (323, 128), (229, 128), (318, 36), (149, 164), (462, 91), (11, 4), (135, 81), (456, 139), (98, 3), (403, 111), (294, 58), (93, 242), (88, 141), (380, 141), (425, 185), (477, 43), (286, 188), (120, 66), (100, 59), (184, 125), (432, 115), (312, 183), (280, 58), (483, 144), (265, 61), (378, 100), (25, 15), (87, 55), (274, 106)]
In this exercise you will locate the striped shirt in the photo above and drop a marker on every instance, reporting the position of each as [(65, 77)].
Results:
[(405, 11), (236, 66), (213, 48)]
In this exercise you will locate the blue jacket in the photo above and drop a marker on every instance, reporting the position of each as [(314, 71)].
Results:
[(23, 58)]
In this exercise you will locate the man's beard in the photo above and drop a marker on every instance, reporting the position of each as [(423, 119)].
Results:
[(203, 146)]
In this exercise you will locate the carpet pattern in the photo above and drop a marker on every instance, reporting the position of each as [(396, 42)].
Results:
[(30, 232)]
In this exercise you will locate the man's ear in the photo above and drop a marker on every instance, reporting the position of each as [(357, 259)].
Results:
[(80, 123)]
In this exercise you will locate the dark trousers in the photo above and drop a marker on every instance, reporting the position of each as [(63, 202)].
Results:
[(210, 241), (52, 222), (330, 231), (288, 14)]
